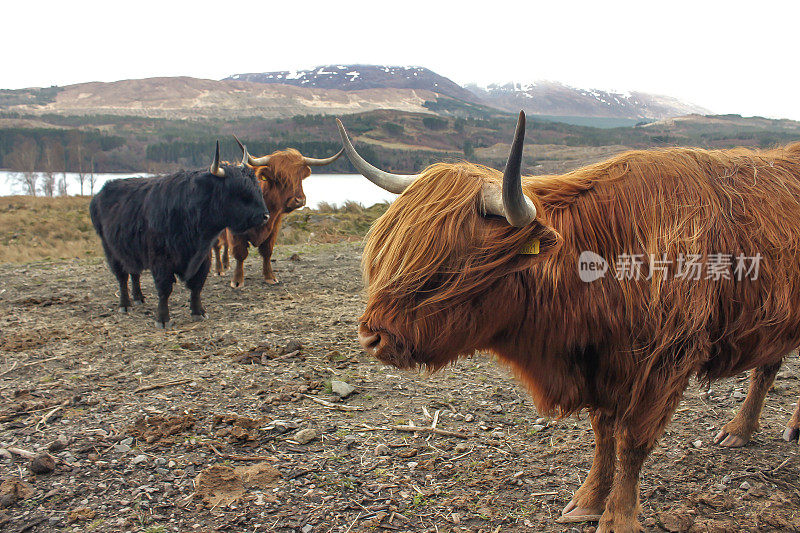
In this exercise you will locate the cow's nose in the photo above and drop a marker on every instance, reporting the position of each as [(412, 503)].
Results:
[(370, 340)]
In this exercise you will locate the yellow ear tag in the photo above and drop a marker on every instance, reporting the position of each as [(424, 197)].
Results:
[(530, 248)]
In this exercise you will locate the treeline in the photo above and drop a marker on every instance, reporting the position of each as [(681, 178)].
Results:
[(395, 140)]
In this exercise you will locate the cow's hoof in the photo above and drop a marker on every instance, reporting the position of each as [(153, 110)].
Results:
[(198, 318), (220, 274), (729, 440), (271, 281), (123, 309), (573, 514), (237, 284), (166, 326), (791, 434), (609, 524), (138, 302)]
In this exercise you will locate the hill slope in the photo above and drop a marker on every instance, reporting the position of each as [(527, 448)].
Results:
[(360, 77), (552, 98)]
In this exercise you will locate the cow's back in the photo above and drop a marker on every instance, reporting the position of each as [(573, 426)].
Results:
[(718, 207), (118, 213)]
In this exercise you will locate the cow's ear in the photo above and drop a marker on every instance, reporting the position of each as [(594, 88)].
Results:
[(542, 242)]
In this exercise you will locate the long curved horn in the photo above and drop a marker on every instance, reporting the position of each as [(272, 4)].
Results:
[(245, 154), (258, 161), (395, 183), (215, 168), (310, 161), (511, 203)]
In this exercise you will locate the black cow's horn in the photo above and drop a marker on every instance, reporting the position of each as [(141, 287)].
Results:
[(395, 183), (511, 203), (215, 168), (310, 161)]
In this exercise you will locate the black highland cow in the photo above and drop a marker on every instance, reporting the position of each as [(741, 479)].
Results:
[(168, 223)]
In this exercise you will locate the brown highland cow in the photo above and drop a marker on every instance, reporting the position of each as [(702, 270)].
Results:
[(281, 176), (468, 259)]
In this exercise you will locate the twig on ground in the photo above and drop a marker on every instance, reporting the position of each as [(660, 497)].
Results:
[(43, 421), (26, 365), (242, 457), (19, 451), (331, 405), (437, 431), (162, 385)]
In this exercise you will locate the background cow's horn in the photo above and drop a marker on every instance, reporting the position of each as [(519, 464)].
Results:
[(310, 161), (245, 154), (511, 203), (395, 183), (214, 169), (246, 157)]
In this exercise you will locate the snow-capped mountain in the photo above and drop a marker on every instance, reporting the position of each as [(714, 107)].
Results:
[(359, 77), (553, 98)]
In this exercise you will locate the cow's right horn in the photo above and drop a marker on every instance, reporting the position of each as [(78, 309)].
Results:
[(215, 168), (395, 183), (511, 202)]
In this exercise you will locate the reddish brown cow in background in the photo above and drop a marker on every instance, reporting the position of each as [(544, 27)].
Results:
[(468, 260), (281, 176)]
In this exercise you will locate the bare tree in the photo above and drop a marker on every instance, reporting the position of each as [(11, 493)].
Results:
[(52, 156), (62, 185), (76, 151), (92, 178), (22, 159)]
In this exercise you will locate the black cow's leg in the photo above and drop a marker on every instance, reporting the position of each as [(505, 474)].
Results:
[(138, 297), (164, 281), (225, 257), (122, 278), (738, 431), (195, 284)]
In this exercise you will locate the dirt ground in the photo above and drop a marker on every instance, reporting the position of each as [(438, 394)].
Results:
[(231, 424)]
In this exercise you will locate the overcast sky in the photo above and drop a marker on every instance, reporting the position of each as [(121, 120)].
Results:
[(728, 56)]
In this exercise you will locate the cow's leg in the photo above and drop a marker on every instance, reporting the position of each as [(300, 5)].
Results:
[(138, 297), (219, 270), (589, 500), (265, 249), (738, 431), (792, 431), (195, 285), (636, 436), (122, 278), (240, 250), (225, 261), (622, 506), (164, 281)]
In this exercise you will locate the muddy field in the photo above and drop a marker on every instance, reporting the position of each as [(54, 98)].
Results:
[(232, 424)]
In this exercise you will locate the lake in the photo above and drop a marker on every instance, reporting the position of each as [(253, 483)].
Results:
[(331, 188)]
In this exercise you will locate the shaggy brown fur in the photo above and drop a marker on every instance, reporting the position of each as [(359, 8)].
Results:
[(443, 281), (282, 187)]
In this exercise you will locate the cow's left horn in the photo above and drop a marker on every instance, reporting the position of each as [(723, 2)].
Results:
[(245, 154), (511, 202), (252, 161), (215, 168), (310, 161), (395, 183)]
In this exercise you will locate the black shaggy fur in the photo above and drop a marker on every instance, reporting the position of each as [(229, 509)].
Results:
[(168, 223)]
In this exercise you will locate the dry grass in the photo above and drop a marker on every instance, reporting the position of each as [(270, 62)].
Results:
[(35, 229)]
